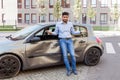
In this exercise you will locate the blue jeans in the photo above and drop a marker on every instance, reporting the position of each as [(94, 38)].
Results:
[(67, 46)]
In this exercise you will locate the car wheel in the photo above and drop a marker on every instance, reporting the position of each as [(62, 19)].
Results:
[(92, 57), (10, 66)]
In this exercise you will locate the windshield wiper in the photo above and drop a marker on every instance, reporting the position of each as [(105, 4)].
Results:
[(9, 37)]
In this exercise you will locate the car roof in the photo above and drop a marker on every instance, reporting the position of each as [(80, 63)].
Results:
[(54, 23), (87, 26)]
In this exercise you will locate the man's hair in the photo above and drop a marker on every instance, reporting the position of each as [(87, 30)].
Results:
[(65, 13)]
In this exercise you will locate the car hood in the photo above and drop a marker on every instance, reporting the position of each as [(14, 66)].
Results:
[(5, 42), (7, 45)]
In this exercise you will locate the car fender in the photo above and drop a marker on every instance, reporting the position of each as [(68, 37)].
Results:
[(88, 47)]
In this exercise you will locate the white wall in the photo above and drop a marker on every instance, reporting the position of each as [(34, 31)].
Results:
[(10, 11)]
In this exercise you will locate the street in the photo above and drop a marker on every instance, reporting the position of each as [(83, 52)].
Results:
[(107, 69)]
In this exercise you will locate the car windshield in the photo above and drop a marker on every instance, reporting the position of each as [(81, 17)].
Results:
[(22, 34)]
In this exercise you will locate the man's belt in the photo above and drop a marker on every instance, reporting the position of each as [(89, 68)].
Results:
[(65, 38)]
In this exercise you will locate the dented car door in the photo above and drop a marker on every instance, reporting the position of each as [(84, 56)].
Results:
[(44, 52)]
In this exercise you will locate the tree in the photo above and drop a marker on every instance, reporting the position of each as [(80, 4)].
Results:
[(57, 10), (77, 10), (115, 13), (42, 7), (91, 12)]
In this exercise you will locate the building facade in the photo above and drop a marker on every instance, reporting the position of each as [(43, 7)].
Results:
[(28, 11), (8, 12)]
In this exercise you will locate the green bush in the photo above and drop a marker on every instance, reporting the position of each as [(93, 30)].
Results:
[(8, 28)]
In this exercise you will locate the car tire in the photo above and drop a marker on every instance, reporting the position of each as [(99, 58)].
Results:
[(92, 57), (10, 66)]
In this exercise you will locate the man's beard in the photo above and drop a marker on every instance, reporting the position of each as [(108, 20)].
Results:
[(65, 21)]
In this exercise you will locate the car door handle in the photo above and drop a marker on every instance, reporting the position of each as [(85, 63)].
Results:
[(82, 41)]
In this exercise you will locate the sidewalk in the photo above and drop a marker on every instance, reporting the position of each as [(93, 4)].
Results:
[(106, 33)]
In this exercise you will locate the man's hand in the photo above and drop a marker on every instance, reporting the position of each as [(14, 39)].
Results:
[(49, 32)]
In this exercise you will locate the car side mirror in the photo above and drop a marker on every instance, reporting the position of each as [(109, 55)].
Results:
[(35, 39)]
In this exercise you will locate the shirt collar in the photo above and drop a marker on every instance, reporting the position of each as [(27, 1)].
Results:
[(63, 22)]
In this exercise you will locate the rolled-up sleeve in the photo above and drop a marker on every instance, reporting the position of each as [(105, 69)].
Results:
[(56, 30), (73, 30)]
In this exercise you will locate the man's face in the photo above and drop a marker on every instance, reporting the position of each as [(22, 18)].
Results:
[(65, 18)]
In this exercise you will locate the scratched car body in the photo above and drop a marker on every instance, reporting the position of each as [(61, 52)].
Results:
[(32, 48)]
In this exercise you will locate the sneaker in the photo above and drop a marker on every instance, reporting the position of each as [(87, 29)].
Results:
[(69, 73), (75, 72)]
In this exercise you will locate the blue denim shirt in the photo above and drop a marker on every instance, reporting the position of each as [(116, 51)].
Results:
[(64, 30)]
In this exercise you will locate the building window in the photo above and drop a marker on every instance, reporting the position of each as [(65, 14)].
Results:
[(93, 20), (84, 3), (51, 17), (93, 3), (33, 3), (115, 2), (27, 4), (19, 18), (19, 3), (84, 18), (27, 18), (42, 18), (103, 18), (1, 3), (51, 3), (65, 3), (42, 5), (104, 3), (33, 18)]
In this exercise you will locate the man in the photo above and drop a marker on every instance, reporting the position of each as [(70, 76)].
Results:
[(64, 29)]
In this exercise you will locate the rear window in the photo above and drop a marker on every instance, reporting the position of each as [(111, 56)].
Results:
[(82, 29)]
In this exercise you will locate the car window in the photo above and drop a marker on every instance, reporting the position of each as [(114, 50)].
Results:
[(40, 33), (22, 34), (82, 29), (45, 36), (51, 28), (50, 36)]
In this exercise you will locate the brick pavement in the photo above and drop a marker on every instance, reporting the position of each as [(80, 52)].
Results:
[(52, 73)]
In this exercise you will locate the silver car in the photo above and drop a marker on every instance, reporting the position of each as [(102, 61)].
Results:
[(32, 48)]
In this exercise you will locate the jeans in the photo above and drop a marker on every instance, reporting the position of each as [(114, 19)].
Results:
[(66, 46)]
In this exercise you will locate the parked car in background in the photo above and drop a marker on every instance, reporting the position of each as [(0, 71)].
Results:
[(32, 48)]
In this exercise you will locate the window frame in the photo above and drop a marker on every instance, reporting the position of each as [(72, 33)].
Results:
[(113, 4), (64, 4), (19, 17), (27, 21), (33, 21), (82, 34), (104, 5), (33, 6), (50, 20), (27, 6), (92, 21), (51, 5), (105, 21), (19, 4), (93, 5), (42, 18), (83, 4), (84, 21), (45, 37)]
